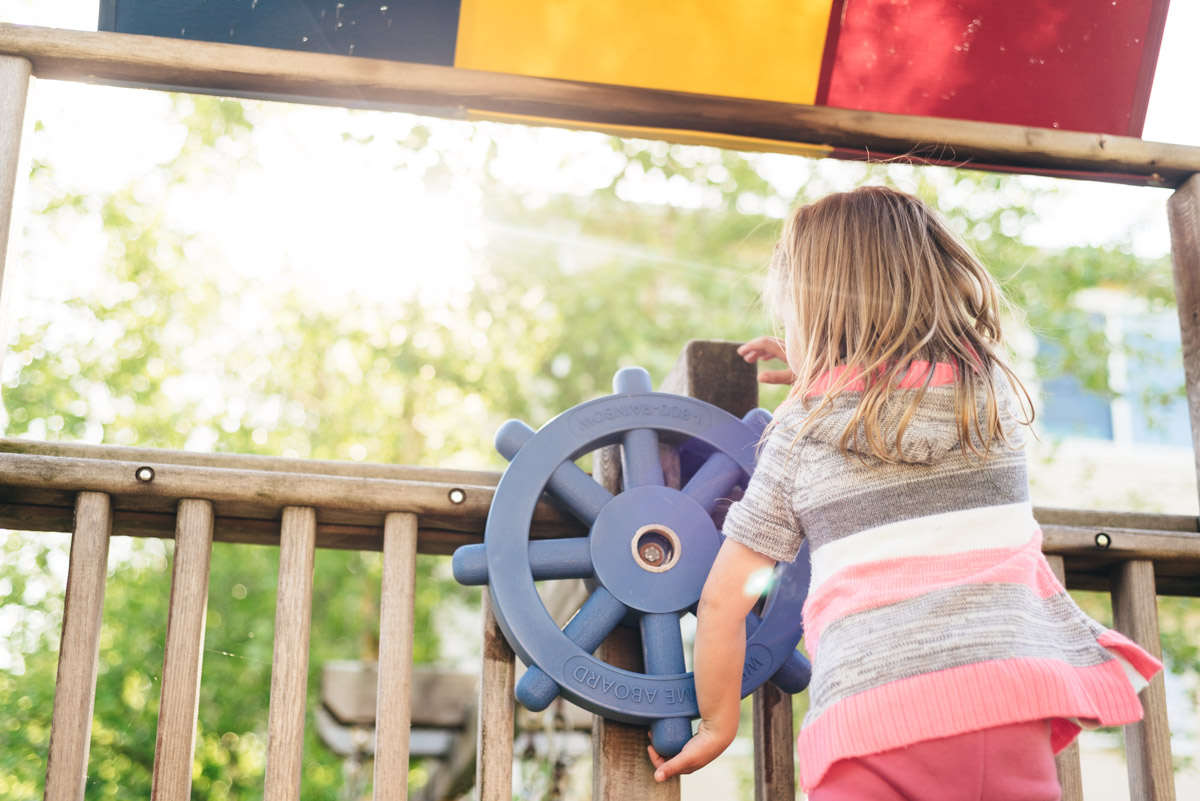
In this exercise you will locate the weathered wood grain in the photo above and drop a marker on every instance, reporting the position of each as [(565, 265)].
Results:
[(774, 745), (79, 652), (396, 617), (494, 748), (1070, 775), (15, 75), (183, 653), (237, 70), (1183, 213), (289, 666), (1148, 742)]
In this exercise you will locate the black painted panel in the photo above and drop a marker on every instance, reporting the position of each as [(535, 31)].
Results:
[(422, 31)]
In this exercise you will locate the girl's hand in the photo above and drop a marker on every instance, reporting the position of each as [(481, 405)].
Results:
[(765, 349), (704, 747)]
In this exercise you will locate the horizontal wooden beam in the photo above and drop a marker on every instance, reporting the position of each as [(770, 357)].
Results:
[(238, 70), (246, 461), (150, 486), (37, 493)]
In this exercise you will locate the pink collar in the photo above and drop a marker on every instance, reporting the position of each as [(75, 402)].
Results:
[(943, 373)]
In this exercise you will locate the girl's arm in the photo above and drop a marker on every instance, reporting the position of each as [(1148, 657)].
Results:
[(730, 592)]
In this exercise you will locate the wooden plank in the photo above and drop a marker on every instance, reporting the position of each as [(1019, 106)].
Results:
[(1147, 742), (266, 491), (79, 653), (183, 653), (1070, 775), (289, 667), (15, 75), (1183, 213), (235, 70), (247, 461), (397, 606), (494, 747), (774, 745), (264, 531)]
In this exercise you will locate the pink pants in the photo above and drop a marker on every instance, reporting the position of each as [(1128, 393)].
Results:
[(1009, 763)]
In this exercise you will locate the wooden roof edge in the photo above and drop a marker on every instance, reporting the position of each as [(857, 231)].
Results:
[(243, 71)]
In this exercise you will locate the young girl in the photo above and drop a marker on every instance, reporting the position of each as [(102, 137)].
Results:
[(948, 662)]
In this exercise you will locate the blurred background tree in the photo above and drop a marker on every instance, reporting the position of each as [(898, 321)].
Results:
[(168, 349)]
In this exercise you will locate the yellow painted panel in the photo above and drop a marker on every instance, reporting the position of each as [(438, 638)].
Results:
[(675, 136), (759, 49)]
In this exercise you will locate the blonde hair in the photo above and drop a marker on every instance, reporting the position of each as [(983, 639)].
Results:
[(875, 280)]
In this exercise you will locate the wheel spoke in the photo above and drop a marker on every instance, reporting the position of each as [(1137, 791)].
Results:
[(662, 644), (578, 491), (566, 558), (713, 481), (598, 616), (641, 465)]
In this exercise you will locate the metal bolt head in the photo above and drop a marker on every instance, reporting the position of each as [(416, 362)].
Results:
[(652, 553)]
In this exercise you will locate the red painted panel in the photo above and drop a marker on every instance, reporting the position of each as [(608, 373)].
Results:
[(1083, 65)]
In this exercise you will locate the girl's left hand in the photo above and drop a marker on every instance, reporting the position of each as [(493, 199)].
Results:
[(705, 746)]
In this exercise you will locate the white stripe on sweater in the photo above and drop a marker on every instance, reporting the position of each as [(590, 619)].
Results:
[(1005, 526)]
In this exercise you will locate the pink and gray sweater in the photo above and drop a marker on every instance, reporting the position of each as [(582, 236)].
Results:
[(932, 611)]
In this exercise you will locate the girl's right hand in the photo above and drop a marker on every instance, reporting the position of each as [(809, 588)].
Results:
[(765, 349), (705, 746)]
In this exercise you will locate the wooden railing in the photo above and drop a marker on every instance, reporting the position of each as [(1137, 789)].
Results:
[(298, 505)]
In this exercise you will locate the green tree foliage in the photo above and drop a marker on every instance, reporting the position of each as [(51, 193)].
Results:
[(666, 245)]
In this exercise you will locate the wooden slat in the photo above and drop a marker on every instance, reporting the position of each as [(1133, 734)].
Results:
[(494, 748), (1148, 742), (238, 70), (289, 667), (396, 617), (183, 653), (1183, 213), (79, 653), (774, 745), (1070, 775)]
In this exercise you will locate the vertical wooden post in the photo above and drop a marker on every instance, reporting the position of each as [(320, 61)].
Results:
[(712, 372), (494, 749), (393, 717), (15, 75), (621, 767), (289, 666), (774, 745), (183, 653), (1147, 742), (1070, 775), (1183, 212), (79, 653)]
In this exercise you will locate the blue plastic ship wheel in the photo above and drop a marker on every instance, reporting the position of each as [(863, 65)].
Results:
[(646, 556)]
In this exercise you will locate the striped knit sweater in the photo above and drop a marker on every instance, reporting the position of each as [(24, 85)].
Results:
[(932, 611)]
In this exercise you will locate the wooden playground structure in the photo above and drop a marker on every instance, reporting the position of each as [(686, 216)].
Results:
[(300, 505)]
